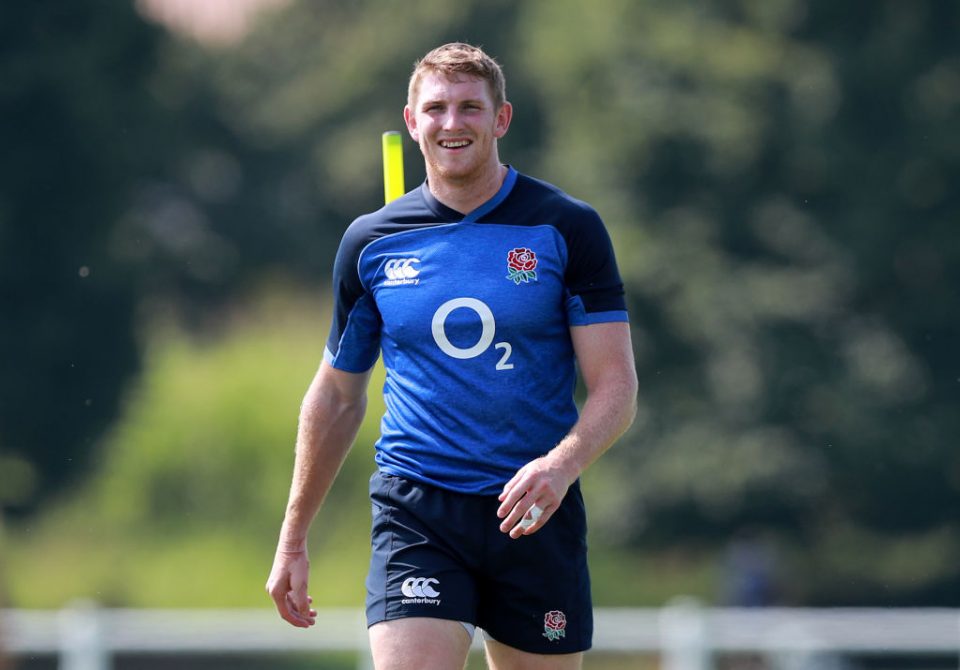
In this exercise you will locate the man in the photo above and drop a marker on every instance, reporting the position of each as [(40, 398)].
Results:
[(481, 288)]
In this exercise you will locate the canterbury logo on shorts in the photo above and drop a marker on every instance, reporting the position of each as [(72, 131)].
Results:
[(420, 587)]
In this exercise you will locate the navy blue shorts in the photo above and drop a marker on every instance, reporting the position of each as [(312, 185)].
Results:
[(437, 553)]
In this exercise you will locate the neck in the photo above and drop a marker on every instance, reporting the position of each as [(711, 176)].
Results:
[(467, 193)]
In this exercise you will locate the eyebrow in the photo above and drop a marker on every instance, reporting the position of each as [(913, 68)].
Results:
[(441, 101)]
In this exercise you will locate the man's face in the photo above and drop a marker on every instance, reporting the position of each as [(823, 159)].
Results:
[(456, 125)]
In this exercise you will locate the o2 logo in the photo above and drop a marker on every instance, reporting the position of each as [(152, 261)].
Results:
[(489, 327)]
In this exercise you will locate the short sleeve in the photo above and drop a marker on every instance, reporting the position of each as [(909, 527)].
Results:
[(595, 289), (354, 341)]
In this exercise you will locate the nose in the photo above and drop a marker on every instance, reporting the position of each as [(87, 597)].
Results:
[(451, 120)]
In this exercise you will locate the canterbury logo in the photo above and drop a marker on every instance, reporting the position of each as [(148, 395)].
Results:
[(401, 268), (420, 587)]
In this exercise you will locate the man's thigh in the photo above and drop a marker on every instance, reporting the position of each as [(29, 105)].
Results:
[(424, 546), (419, 643), (502, 657)]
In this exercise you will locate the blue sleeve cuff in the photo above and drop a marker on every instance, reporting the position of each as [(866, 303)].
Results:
[(338, 363), (590, 318), (577, 315)]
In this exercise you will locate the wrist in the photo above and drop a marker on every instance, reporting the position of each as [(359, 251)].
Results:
[(291, 543), (291, 549), (563, 460)]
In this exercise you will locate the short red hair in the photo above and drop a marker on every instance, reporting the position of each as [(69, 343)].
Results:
[(455, 59)]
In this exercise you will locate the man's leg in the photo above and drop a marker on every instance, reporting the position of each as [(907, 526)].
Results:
[(503, 657), (419, 643)]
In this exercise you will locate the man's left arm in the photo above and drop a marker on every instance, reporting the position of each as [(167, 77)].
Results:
[(605, 357)]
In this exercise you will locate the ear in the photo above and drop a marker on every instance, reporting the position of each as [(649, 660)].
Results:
[(502, 121), (410, 118)]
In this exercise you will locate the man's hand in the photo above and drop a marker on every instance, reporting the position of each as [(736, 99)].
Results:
[(539, 483), (287, 586), (605, 357)]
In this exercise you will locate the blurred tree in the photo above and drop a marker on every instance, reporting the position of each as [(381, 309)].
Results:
[(76, 131), (777, 174), (123, 191)]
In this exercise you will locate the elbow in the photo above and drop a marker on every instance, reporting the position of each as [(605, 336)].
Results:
[(328, 404), (351, 408), (356, 408)]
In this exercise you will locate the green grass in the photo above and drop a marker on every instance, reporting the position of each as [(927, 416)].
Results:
[(186, 506)]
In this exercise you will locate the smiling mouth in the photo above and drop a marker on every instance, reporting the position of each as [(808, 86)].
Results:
[(455, 144)]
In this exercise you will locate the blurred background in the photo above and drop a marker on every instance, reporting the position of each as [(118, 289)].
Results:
[(776, 175)]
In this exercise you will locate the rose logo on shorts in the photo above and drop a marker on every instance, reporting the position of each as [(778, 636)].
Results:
[(554, 625), (521, 265)]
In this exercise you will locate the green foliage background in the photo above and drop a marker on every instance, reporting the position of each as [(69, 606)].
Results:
[(775, 174), (186, 507)]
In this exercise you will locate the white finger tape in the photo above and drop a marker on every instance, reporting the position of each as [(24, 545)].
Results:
[(530, 517)]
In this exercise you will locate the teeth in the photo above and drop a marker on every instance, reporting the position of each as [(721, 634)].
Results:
[(455, 145)]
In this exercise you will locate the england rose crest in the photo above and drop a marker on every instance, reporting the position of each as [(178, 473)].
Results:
[(521, 265), (554, 625)]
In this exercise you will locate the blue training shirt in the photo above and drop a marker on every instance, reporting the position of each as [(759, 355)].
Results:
[(472, 314)]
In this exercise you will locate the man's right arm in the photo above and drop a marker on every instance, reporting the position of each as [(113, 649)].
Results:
[(330, 417)]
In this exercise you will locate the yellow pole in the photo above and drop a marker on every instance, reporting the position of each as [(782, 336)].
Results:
[(393, 186)]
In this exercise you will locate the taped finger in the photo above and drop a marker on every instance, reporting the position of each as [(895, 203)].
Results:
[(531, 517)]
